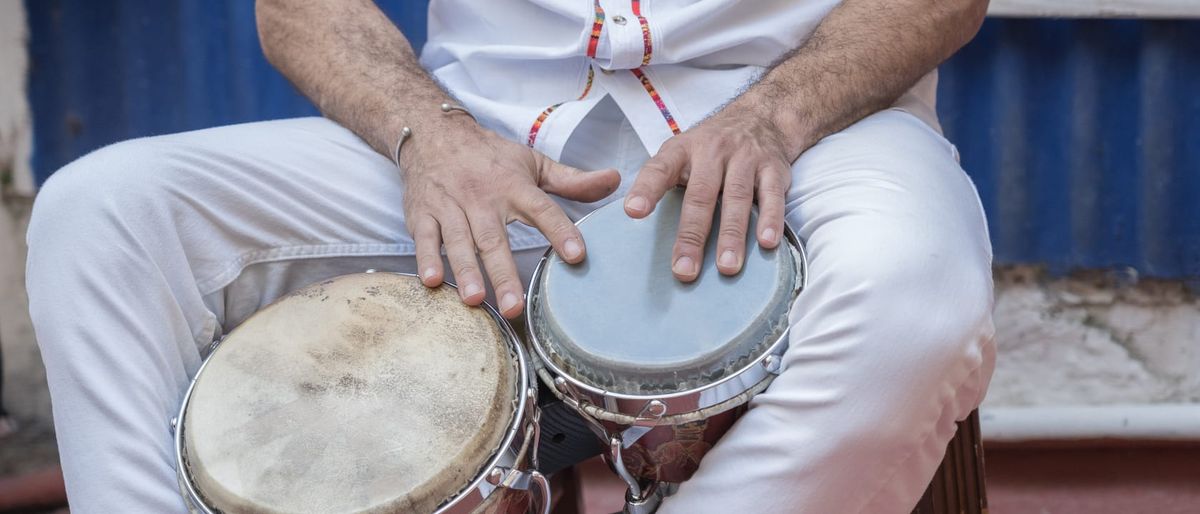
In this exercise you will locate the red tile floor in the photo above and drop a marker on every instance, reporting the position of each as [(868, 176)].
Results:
[(1107, 478), (1104, 478)]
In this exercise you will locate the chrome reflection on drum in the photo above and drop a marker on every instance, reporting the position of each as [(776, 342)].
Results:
[(659, 368), (364, 393)]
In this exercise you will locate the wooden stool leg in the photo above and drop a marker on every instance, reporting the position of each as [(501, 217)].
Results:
[(958, 485)]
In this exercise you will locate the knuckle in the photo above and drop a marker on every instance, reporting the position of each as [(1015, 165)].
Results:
[(732, 231), (541, 206), (456, 233), (489, 240), (700, 193), (465, 269), (738, 191), (691, 237)]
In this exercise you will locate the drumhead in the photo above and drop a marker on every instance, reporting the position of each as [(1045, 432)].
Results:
[(621, 322), (365, 393)]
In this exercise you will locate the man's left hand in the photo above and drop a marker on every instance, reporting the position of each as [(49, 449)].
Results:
[(733, 155)]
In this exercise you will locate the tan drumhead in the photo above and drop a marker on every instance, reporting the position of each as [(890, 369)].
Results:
[(365, 393)]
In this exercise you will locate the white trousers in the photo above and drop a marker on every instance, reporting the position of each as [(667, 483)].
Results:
[(142, 252)]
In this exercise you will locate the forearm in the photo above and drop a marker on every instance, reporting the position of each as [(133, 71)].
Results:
[(356, 66), (859, 60)]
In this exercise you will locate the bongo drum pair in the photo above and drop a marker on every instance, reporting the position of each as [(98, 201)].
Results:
[(370, 393)]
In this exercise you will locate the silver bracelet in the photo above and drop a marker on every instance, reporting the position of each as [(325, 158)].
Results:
[(406, 132)]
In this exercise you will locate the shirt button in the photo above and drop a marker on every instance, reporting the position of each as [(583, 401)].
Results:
[(618, 19)]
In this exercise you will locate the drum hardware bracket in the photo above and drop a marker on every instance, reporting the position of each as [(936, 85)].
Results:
[(510, 478), (645, 421)]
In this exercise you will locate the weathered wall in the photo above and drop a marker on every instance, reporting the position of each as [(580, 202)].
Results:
[(24, 386), (15, 134), (1094, 338)]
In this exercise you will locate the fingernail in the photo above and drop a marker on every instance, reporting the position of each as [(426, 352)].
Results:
[(471, 290), (508, 302), (769, 235), (728, 259), (428, 274), (684, 266), (636, 203), (572, 249)]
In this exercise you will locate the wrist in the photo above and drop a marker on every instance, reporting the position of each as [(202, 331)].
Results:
[(782, 115), (432, 135)]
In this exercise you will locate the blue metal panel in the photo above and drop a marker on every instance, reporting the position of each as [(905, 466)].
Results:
[(1083, 136), (104, 71)]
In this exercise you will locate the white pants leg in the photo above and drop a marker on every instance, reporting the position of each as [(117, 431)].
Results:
[(142, 252), (890, 344)]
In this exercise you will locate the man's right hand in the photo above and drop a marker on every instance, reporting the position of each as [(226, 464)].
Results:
[(463, 186)]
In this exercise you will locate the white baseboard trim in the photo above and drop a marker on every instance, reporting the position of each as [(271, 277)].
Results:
[(1166, 422), (1096, 8)]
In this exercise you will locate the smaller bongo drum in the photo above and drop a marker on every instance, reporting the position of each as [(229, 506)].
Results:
[(659, 368), (365, 393)]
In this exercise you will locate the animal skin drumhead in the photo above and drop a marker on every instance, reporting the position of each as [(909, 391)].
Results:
[(365, 393)]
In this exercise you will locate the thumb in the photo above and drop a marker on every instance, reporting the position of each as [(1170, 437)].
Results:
[(576, 184)]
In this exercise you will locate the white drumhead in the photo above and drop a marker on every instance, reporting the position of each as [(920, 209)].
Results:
[(621, 322), (365, 393)]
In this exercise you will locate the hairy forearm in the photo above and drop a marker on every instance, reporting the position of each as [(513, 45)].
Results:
[(356, 66), (860, 59)]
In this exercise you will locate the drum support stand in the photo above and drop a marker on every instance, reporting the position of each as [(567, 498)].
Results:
[(639, 498)]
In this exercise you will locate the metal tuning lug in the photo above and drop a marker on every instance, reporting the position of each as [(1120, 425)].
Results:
[(771, 364), (569, 394)]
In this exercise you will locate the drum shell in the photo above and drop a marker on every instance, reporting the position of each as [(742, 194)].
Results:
[(671, 453), (515, 456)]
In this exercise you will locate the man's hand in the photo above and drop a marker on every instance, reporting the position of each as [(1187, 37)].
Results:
[(732, 156), (463, 189), (463, 184), (859, 60)]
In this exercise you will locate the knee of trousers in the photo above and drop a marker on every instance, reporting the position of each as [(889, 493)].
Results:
[(111, 196), (915, 303)]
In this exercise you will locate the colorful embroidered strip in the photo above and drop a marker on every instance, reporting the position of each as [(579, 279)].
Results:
[(647, 45), (537, 124), (662, 107), (597, 26)]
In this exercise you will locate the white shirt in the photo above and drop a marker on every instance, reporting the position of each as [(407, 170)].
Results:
[(532, 69)]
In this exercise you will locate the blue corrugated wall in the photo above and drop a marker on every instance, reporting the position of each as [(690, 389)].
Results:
[(1083, 136)]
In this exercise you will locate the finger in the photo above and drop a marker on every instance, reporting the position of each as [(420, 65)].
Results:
[(737, 198), (773, 183), (460, 251), (427, 235), (576, 184), (538, 209), (491, 239), (695, 220), (657, 176)]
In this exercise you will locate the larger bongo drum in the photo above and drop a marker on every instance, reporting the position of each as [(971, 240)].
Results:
[(659, 368), (364, 393)]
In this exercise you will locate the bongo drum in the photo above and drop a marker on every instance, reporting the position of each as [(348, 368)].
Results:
[(365, 393), (659, 368)]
